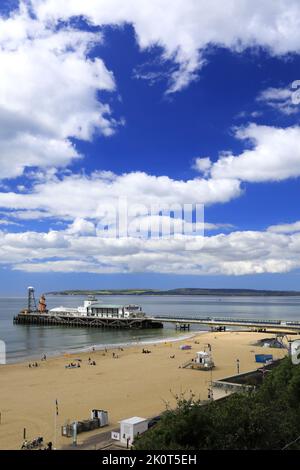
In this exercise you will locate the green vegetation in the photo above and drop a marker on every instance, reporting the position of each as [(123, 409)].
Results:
[(182, 291), (266, 419)]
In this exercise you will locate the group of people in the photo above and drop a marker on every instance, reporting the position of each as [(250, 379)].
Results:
[(35, 364), (146, 351), (75, 365), (72, 365), (36, 444)]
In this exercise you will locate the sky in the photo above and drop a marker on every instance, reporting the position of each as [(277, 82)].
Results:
[(162, 103)]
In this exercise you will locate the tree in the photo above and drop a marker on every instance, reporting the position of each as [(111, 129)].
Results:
[(266, 419)]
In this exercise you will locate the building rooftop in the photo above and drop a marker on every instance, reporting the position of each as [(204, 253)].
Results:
[(134, 420), (100, 305)]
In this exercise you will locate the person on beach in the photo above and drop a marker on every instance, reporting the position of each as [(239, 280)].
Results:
[(49, 446)]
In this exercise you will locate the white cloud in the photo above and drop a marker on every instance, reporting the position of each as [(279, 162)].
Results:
[(48, 93), (274, 155), (49, 96), (82, 227), (80, 196), (186, 28), (7, 222), (236, 253), (285, 228), (280, 99), (202, 164), (49, 85)]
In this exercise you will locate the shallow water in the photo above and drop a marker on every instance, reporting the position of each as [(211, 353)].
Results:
[(23, 341)]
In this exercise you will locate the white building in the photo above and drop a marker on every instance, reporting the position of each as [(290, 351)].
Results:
[(132, 427), (204, 359), (93, 308)]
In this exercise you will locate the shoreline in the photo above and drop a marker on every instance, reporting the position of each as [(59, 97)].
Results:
[(127, 383), (108, 347)]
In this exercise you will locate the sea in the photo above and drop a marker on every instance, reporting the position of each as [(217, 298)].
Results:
[(24, 342)]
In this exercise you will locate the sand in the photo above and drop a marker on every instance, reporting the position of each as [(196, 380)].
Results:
[(135, 384)]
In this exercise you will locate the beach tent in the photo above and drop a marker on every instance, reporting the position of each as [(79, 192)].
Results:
[(262, 358)]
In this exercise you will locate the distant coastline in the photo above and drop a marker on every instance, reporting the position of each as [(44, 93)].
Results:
[(181, 291)]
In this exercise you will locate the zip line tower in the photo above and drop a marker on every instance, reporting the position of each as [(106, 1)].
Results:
[(31, 300)]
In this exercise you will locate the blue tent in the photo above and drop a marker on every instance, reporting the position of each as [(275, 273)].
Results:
[(263, 358)]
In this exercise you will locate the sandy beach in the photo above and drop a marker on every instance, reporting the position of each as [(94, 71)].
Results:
[(134, 384)]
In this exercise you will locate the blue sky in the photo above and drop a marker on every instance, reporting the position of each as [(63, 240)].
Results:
[(97, 102)]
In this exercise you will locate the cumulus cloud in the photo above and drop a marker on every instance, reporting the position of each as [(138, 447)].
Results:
[(285, 228), (83, 196), (202, 164), (49, 86), (274, 155), (190, 27), (81, 226), (49, 97), (48, 93), (236, 253)]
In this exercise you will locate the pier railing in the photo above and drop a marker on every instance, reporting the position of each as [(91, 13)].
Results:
[(284, 325)]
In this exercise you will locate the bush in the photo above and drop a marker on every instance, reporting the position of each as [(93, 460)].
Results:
[(266, 419)]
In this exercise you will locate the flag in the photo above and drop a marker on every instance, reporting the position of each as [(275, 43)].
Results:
[(56, 404)]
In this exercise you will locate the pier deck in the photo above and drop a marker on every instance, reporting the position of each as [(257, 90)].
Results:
[(277, 325), (36, 318), (85, 322)]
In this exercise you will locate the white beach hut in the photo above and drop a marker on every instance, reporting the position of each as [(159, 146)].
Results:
[(131, 427), (204, 360)]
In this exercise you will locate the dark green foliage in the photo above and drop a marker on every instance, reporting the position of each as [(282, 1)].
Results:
[(266, 419)]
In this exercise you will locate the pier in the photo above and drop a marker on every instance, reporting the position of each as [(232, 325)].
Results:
[(91, 314), (215, 324), (36, 318), (182, 326), (220, 324), (99, 315)]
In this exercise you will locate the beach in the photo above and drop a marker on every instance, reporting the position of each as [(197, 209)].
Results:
[(129, 384)]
